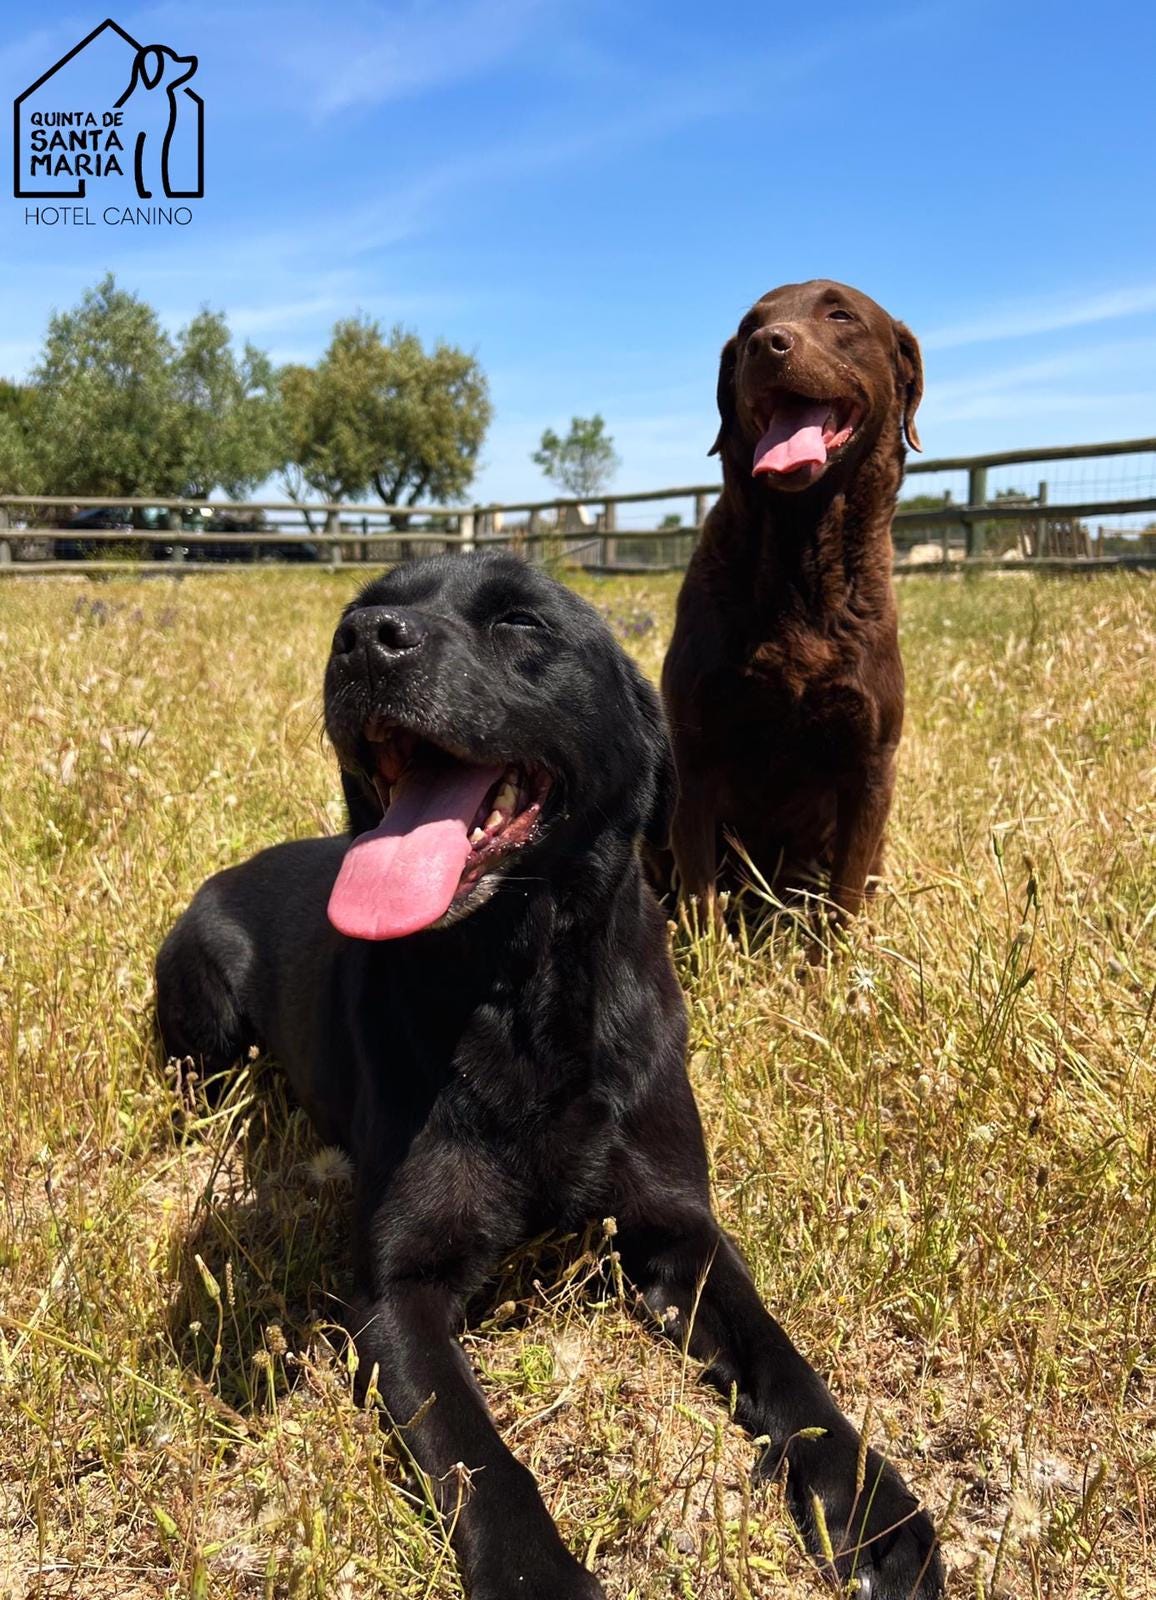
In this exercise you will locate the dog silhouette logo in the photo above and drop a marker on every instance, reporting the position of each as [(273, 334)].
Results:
[(111, 109)]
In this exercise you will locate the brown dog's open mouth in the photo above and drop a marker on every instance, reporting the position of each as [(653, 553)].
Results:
[(446, 824), (800, 434)]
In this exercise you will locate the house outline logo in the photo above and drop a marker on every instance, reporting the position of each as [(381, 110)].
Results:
[(157, 74)]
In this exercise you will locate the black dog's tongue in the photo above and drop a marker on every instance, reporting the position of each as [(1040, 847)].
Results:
[(402, 876)]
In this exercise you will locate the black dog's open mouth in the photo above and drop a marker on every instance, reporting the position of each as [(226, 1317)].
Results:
[(799, 434), (446, 823)]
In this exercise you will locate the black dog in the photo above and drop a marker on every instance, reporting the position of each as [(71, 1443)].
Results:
[(515, 1062)]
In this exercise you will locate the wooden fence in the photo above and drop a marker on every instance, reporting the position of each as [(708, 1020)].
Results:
[(50, 533)]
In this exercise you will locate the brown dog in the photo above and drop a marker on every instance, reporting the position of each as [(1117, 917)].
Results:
[(783, 682)]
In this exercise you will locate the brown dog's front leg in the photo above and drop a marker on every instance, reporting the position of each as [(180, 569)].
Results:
[(863, 806), (694, 845)]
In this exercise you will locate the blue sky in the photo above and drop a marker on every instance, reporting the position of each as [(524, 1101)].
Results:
[(588, 196)]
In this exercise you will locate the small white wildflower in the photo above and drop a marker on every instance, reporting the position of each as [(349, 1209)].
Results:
[(329, 1166), (1051, 1472), (1027, 1520)]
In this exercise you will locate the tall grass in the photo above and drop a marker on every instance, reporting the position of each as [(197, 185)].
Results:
[(939, 1155)]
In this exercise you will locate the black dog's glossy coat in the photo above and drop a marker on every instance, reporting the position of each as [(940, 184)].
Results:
[(520, 1070)]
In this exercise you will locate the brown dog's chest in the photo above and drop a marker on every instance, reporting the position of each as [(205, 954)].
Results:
[(795, 662), (805, 694)]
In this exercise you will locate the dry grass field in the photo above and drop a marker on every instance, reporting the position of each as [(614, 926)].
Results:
[(939, 1154)]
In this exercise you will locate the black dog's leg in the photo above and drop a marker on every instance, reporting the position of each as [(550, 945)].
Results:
[(695, 1282), (504, 1538), (199, 1017)]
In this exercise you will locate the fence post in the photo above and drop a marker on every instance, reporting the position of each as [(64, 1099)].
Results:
[(609, 525), (1042, 538), (976, 496), (945, 532), (467, 541), (5, 547), (333, 526)]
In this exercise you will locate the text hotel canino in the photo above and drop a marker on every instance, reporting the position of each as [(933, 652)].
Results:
[(113, 216)]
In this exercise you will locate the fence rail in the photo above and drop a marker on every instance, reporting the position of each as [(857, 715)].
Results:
[(969, 513)]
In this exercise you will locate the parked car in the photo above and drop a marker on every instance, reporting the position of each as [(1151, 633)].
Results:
[(115, 519), (184, 536), (102, 518), (239, 549)]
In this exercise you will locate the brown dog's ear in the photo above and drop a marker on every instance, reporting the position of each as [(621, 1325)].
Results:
[(909, 378), (726, 391)]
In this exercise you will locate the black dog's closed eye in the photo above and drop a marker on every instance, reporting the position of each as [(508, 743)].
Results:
[(519, 619)]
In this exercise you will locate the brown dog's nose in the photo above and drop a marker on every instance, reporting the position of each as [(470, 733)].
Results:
[(780, 340)]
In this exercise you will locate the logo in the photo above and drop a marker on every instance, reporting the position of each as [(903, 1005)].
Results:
[(113, 113)]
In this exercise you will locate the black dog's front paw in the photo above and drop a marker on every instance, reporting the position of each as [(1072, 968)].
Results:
[(520, 1588), (901, 1565), (521, 1582), (874, 1535)]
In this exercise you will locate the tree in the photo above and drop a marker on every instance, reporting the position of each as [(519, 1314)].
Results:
[(225, 430), (923, 502), (384, 414), (104, 378), (583, 462), (432, 413), (19, 427), (123, 409), (326, 411)]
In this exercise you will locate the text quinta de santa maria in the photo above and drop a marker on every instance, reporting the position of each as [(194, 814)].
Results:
[(81, 144), (76, 144)]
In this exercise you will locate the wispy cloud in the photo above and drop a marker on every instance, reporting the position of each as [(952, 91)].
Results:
[(1018, 320), (419, 205), (1029, 404), (1114, 374), (386, 55)]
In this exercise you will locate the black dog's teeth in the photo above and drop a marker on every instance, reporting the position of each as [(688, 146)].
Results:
[(501, 807)]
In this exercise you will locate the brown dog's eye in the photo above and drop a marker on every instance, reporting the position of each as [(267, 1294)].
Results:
[(839, 315)]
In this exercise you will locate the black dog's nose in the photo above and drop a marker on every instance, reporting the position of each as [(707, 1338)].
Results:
[(380, 630), (780, 340)]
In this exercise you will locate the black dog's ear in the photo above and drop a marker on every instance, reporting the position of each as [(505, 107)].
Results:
[(909, 379), (662, 783), (728, 362), (361, 803)]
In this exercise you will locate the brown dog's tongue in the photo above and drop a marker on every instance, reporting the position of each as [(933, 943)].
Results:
[(794, 438), (402, 875)]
